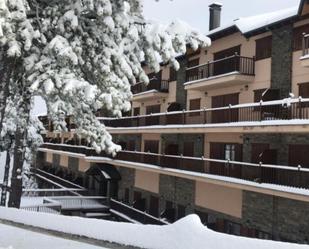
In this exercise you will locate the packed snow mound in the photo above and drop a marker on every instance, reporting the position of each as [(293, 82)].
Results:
[(186, 233)]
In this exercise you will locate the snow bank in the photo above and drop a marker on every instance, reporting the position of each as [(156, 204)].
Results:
[(186, 233)]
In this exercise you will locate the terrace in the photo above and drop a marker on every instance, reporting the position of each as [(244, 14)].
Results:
[(272, 112), (233, 70), (156, 88), (288, 176)]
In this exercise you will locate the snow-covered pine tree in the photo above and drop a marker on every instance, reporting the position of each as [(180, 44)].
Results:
[(83, 55)]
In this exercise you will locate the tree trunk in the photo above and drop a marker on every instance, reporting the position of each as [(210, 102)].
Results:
[(20, 146), (16, 179), (6, 177)]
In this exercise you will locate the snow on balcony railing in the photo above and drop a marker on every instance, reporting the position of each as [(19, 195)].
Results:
[(235, 63), (294, 176), (285, 109)]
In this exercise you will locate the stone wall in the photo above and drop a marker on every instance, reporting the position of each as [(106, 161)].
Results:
[(73, 164), (280, 142), (281, 72), (178, 191), (181, 94), (127, 181), (285, 219)]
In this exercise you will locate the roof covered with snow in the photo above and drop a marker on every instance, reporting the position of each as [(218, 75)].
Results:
[(252, 23)]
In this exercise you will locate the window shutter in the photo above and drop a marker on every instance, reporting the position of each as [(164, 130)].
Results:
[(263, 48), (298, 36), (304, 90), (195, 104)]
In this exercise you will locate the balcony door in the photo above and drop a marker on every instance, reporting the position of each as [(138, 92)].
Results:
[(225, 151), (154, 120), (228, 65), (262, 153), (223, 116), (154, 81)]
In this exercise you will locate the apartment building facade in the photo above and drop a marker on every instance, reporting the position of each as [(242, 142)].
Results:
[(226, 136)]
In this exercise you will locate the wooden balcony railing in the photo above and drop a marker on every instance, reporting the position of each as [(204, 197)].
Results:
[(255, 112), (305, 44), (235, 63), (159, 85), (260, 173)]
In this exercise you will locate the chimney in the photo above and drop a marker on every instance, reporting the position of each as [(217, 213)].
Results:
[(214, 15)]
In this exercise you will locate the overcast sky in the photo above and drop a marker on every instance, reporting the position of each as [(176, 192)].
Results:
[(196, 13)]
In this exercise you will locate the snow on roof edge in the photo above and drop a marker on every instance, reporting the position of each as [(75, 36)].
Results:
[(258, 21)]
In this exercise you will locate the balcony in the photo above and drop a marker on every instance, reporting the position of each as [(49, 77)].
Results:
[(233, 70), (257, 173), (305, 55), (155, 89), (271, 112)]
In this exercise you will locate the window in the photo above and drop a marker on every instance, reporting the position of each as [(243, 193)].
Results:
[(195, 104), (136, 111), (258, 95), (151, 109), (304, 90), (193, 63), (151, 146), (298, 155), (229, 152), (173, 74), (298, 36), (263, 48)]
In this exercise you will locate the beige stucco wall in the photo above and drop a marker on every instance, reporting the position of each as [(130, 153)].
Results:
[(219, 198), (64, 160), (300, 74), (261, 80), (147, 181), (83, 166), (220, 138), (49, 157)]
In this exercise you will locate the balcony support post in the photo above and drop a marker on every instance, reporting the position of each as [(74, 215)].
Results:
[(261, 111), (304, 44), (205, 116), (300, 107), (299, 176)]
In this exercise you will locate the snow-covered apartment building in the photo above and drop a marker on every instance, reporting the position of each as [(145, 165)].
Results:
[(226, 136)]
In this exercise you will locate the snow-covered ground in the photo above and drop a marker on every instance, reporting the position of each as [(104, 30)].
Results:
[(184, 234), (16, 238), (31, 201)]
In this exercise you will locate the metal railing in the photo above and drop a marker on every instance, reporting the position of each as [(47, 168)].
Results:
[(305, 44), (79, 202), (159, 85), (288, 109), (52, 208), (235, 63), (260, 173), (135, 214)]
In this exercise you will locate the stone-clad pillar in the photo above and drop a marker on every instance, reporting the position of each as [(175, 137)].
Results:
[(282, 59)]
